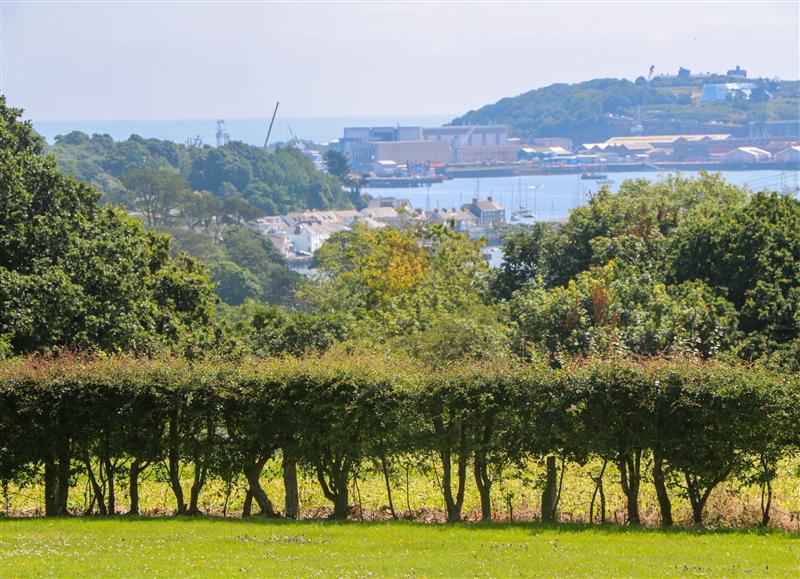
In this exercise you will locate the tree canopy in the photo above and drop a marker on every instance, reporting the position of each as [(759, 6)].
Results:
[(273, 182), (75, 274)]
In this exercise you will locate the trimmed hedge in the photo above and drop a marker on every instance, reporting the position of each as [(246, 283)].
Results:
[(701, 423)]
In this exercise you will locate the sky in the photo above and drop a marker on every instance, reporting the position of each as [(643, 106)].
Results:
[(176, 60)]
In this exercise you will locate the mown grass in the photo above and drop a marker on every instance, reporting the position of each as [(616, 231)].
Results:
[(169, 547)]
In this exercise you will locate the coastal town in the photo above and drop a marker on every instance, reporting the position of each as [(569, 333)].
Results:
[(298, 235)]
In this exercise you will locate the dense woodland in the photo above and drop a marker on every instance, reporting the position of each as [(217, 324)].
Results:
[(577, 111), (228, 182), (679, 297)]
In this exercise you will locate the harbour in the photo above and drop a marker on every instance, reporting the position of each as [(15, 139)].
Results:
[(551, 197)]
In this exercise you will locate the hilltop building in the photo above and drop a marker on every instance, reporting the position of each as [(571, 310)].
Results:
[(723, 91)]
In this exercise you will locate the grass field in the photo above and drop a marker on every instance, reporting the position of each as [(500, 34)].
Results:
[(169, 547)]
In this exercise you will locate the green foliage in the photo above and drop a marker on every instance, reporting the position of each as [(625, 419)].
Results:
[(683, 265), (73, 274), (618, 310), (754, 253), (133, 171), (275, 331), (397, 281), (156, 193), (710, 422), (244, 264)]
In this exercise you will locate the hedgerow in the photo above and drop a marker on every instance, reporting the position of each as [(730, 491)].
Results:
[(695, 424)]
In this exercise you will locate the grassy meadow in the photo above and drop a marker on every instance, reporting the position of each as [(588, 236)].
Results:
[(171, 547)]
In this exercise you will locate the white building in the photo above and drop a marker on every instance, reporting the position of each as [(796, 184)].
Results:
[(309, 237), (747, 155), (790, 155), (385, 168)]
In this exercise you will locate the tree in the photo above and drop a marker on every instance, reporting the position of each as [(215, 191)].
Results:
[(754, 253), (397, 281), (73, 274), (157, 193), (234, 284), (336, 164)]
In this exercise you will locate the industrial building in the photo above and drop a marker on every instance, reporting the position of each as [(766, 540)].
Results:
[(365, 147)]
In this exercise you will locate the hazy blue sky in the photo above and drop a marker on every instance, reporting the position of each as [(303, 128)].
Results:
[(98, 60)]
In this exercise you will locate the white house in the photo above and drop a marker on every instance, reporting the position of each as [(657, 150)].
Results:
[(309, 237), (747, 155)]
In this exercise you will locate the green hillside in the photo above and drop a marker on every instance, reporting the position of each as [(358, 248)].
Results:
[(275, 182), (591, 110)]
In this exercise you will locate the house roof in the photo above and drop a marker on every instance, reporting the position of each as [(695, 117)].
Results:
[(650, 141), (751, 150), (486, 205), (380, 212)]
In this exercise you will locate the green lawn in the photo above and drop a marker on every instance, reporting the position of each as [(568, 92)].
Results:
[(170, 547)]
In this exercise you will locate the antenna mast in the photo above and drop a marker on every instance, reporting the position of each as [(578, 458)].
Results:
[(269, 131)]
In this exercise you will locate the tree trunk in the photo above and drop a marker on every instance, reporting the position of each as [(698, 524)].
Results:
[(697, 511), (341, 505), (133, 477), (197, 486), (253, 473), (56, 481), (630, 480), (111, 497), (698, 495), (766, 492), (550, 491), (247, 509), (484, 483), (173, 460), (292, 503), (659, 482), (97, 490), (455, 503), (335, 488), (766, 502), (385, 468), (598, 489)]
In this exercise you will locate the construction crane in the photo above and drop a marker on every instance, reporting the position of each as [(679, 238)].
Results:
[(638, 128), (269, 131)]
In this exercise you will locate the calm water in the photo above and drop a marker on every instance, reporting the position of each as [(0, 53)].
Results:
[(252, 131), (552, 196)]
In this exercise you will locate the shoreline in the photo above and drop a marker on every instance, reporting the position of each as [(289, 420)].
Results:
[(524, 170)]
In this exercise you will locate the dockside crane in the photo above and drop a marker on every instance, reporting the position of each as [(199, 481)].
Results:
[(269, 131), (638, 127)]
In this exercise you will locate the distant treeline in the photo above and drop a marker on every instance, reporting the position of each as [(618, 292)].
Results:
[(696, 423), (273, 182)]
